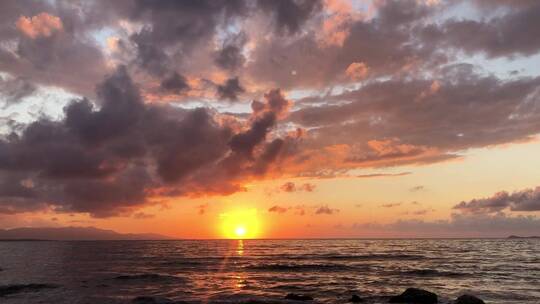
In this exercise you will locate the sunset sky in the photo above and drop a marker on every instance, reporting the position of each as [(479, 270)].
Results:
[(272, 119)]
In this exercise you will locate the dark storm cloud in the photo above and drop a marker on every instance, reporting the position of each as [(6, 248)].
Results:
[(515, 33), (175, 83), (176, 28), (230, 56), (245, 142), (290, 15), (230, 89), (383, 44), (149, 57), (524, 200), (109, 160), (14, 90)]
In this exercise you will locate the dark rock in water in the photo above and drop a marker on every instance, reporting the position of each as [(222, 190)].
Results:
[(151, 300), (12, 289), (468, 299), (415, 295), (298, 297), (355, 299)]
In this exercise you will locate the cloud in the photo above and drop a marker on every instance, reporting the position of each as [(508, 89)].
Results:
[(391, 205), (202, 208), (417, 188), (511, 34), (326, 210), (142, 216), (459, 225), (15, 89), (230, 89), (48, 45), (357, 71), (140, 136), (42, 25), (110, 160), (422, 211), (292, 187), (277, 209), (371, 126), (230, 56), (289, 15), (527, 200), (308, 187), (175, 83), (288, 187), (375, 175)]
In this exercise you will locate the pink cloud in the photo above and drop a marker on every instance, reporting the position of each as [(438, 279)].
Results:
[(41, 25)]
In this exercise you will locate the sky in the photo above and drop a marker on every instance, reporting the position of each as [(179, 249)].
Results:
[(272, 118)]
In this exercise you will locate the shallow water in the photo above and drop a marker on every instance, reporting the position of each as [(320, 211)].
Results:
[(498, 271)]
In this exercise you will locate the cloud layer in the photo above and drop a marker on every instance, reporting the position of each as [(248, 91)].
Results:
[(193, 98)]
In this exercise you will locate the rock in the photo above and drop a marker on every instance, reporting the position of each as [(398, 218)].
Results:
[(298, 297), (12, 289), (355, 299), (151, 300), (416, 296), (468, 299)]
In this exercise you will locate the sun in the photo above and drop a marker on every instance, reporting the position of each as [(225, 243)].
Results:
[(240, 224), (240, 231)]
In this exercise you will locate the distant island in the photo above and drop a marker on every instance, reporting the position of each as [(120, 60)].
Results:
[(73, 234), (524, 237)]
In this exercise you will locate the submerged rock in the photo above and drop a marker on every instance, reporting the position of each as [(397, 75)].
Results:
[(468, 299), (415, 295), (151, 300), (355, 299), (12, 289), (298, 297)]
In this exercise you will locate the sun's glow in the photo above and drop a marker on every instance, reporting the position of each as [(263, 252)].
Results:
[(240, 224), (240, 231)]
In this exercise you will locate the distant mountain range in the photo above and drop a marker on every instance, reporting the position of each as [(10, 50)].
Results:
[(74, 233), (524, 237)]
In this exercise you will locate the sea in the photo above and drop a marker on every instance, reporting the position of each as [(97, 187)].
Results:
[(265, 271)]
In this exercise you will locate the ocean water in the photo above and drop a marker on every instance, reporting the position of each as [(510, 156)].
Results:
[(231, 271)]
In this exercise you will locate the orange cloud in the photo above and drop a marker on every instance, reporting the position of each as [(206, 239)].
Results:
[(42, 25), (357, 70), (335, 28)]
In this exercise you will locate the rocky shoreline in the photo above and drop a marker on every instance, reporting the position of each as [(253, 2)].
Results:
[(409, 296)]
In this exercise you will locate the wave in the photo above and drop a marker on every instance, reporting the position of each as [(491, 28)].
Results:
[(300, 267), (432, 273), (374, 257), (145, 277)]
